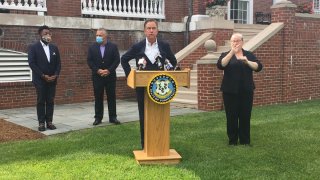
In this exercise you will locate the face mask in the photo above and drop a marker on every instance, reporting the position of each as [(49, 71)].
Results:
[(46, 39), (99, 39)]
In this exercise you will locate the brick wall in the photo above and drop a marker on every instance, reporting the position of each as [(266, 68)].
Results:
[(304, 69), (74, 84), (262, 6), (291, 60), (269, 82), (175, 11), (64, 8), (199, 7), (219, 35), (209, 79)]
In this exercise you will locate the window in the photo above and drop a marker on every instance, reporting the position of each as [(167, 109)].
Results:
[(239, 11), (14, 66)]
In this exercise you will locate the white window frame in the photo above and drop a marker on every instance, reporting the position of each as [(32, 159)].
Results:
[(250, 11)]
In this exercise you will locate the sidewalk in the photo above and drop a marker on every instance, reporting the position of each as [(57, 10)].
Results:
[(70, 117)]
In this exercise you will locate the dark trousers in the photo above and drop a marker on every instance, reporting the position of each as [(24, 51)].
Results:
[(45, 102), (140, 99), (99, 85), (238, 112)]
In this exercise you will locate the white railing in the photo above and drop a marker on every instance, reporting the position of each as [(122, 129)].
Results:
[(124, 8), (27, 5), (316, 6)]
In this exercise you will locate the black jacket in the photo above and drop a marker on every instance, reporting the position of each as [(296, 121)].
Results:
[(238, 76), (137, 51), (39, 64), (110, 61)]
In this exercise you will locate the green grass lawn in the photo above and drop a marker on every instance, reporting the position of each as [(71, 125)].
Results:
[(285, 139)]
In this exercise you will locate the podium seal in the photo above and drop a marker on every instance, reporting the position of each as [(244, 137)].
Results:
[(162, 88)]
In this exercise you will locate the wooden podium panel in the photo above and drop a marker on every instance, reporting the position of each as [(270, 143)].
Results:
[(172, 158), (156, 119), (142, 78), (156, 128)]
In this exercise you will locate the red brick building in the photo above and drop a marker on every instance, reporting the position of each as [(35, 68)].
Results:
[(74, 22)]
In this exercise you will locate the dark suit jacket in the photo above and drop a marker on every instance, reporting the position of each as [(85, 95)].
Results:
[(137, 51), (237, 75), (39, 64), (110, 61)]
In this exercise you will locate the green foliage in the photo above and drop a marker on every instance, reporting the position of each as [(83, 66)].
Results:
[(285, 141), (210, 3), (305, 8)]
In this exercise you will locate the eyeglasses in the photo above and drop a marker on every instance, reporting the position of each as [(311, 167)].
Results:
[(236, 41), (151, 28)]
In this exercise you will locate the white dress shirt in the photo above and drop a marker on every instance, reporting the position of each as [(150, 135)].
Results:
[(152, 51), (46, 50)]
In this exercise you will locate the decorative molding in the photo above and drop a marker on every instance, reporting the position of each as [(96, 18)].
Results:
[(83, 23)]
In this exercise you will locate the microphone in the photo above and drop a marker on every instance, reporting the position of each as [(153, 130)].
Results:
[(158, 59), (141, 64), (168, 66), (177, 68)]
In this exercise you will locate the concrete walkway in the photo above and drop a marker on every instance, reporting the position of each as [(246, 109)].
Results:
[(70, 117)]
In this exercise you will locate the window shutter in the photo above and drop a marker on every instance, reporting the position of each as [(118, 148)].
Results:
[(14, 66)]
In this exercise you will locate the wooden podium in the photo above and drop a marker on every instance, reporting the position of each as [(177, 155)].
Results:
[(156, 119)]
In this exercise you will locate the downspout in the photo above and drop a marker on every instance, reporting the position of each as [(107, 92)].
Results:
[(190, 13)]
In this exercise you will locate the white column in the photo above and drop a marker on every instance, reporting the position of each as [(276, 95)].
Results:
[(32, 3)]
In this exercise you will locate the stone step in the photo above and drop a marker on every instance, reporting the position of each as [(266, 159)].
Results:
[(185, 103), (247, 31), (189, 97), (250, 26), (192, 95), (223, 48), (193, 87)]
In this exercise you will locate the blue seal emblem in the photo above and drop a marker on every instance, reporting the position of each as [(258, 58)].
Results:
[(162, 88)]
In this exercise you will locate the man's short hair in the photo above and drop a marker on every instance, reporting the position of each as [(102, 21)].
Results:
[(104, 30), (150, 20), (41, 28)]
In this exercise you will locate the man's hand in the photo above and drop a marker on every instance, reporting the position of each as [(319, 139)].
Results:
[(49, 78), (103, 72), (52, 78)]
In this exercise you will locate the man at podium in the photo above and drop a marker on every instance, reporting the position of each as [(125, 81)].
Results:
[(150, 54)]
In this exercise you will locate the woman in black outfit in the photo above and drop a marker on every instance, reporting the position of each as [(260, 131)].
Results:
[(237, 87)]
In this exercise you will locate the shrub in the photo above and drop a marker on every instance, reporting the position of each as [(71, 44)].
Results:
[(305, 8)]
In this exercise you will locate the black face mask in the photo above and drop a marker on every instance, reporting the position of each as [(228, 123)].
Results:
[(44, 42), (46, 39)]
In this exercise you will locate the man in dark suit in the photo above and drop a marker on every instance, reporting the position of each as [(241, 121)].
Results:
[(44, 60), (147, 52), (103, 59)]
